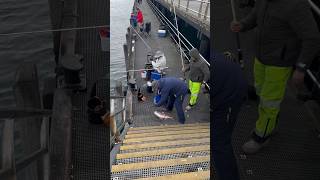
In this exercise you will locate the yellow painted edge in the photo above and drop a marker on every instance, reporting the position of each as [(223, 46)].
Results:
[(166, 133), (173, 137), (161, 163), (168, 129), (164, 151), (200, 175), (161, 144), (167, 126)]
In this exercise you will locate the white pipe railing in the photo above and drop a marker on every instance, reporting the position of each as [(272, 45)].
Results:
[(315, 7)]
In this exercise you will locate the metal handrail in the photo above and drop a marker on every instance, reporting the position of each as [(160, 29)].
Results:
[(180, 34), (187, 7), (314, 7)]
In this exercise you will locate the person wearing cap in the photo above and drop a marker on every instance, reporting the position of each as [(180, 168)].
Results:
[(159, 61), (172, 91), (198, 75)]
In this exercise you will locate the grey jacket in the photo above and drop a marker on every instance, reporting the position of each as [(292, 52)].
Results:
[(286, 32), (199, 71)]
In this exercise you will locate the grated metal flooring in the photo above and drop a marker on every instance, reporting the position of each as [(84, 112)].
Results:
[(90, 142)]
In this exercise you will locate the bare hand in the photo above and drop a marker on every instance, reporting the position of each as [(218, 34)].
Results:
[(235, 26), (298, 78)]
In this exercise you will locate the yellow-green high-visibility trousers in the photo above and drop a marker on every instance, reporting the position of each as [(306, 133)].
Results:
[(270, 84), (194, 88)]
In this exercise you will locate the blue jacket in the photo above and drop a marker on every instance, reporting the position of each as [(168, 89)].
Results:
[(171, 86), (229, 83)]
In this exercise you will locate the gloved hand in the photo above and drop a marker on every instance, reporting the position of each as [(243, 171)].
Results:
[(235, 26)]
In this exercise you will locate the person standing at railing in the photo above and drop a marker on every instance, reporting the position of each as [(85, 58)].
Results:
[(139, 18), (287, 37), (198, 75)]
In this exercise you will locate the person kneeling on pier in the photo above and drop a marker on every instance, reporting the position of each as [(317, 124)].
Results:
[(173, 91), (98, 114)]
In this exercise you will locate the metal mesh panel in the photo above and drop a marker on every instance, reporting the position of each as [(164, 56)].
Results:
[(160, 171), (163, 157)]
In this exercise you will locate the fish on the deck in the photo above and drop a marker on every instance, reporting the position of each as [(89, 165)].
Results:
[(162, 115)]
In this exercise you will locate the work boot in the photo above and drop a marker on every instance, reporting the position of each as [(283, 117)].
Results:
[(255, 144), (189, 107)]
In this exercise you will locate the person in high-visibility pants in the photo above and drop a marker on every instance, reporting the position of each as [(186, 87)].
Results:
[(287, 36), (199, 73)]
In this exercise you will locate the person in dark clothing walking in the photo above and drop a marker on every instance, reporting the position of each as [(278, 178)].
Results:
[(287, 37), (172, 91), (229, 92)]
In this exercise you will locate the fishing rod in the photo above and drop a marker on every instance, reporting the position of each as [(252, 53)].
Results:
[(314, 79), (135, 70), (240, 56)]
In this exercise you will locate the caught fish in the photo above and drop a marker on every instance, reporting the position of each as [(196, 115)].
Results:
[(162, 115)]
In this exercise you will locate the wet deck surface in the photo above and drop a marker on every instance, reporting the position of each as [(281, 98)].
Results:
[(143, 112)]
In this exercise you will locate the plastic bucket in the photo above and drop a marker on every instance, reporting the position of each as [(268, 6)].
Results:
[(156, 98), (144, 74)]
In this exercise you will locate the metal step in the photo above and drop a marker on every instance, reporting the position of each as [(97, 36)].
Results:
[(168, 126), (133, 131), (200, 175), (163, 157), (166, 138), (160, 171), (164, 144), (162, 163), (166, 133), (164, 151), (163, 147)]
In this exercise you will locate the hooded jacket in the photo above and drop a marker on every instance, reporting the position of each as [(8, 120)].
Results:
[(286, 32), (199, 70)]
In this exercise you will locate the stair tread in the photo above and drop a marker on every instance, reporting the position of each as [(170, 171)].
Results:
[(186, 176), (164, 151), (171, 137), (169, 132), (161, 144), (167, 126), (160, 163), (133, 131)]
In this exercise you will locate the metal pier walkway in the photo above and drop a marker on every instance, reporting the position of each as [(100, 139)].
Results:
[(293, 153)]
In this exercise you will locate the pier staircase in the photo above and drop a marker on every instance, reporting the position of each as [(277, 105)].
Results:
[(164, 152)]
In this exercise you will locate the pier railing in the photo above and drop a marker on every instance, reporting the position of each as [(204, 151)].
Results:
[(200, 8)]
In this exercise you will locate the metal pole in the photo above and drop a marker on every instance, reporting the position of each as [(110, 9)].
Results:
[(187, 8), (240, 57), (206, 11), (175, 16), (200, 9), (8, 147)]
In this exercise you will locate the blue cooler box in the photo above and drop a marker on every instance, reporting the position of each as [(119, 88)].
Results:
[(162, 33), (155, 76)]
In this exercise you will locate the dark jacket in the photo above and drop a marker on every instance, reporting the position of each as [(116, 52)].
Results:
[(229, 84), (199, 70), (286, 32), (171, 86)]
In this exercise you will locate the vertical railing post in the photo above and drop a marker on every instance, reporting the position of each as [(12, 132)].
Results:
[(44, 140), (206, 11), (200, 8), (124, 112), (179, 4), (187, 8), (8, 148)]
